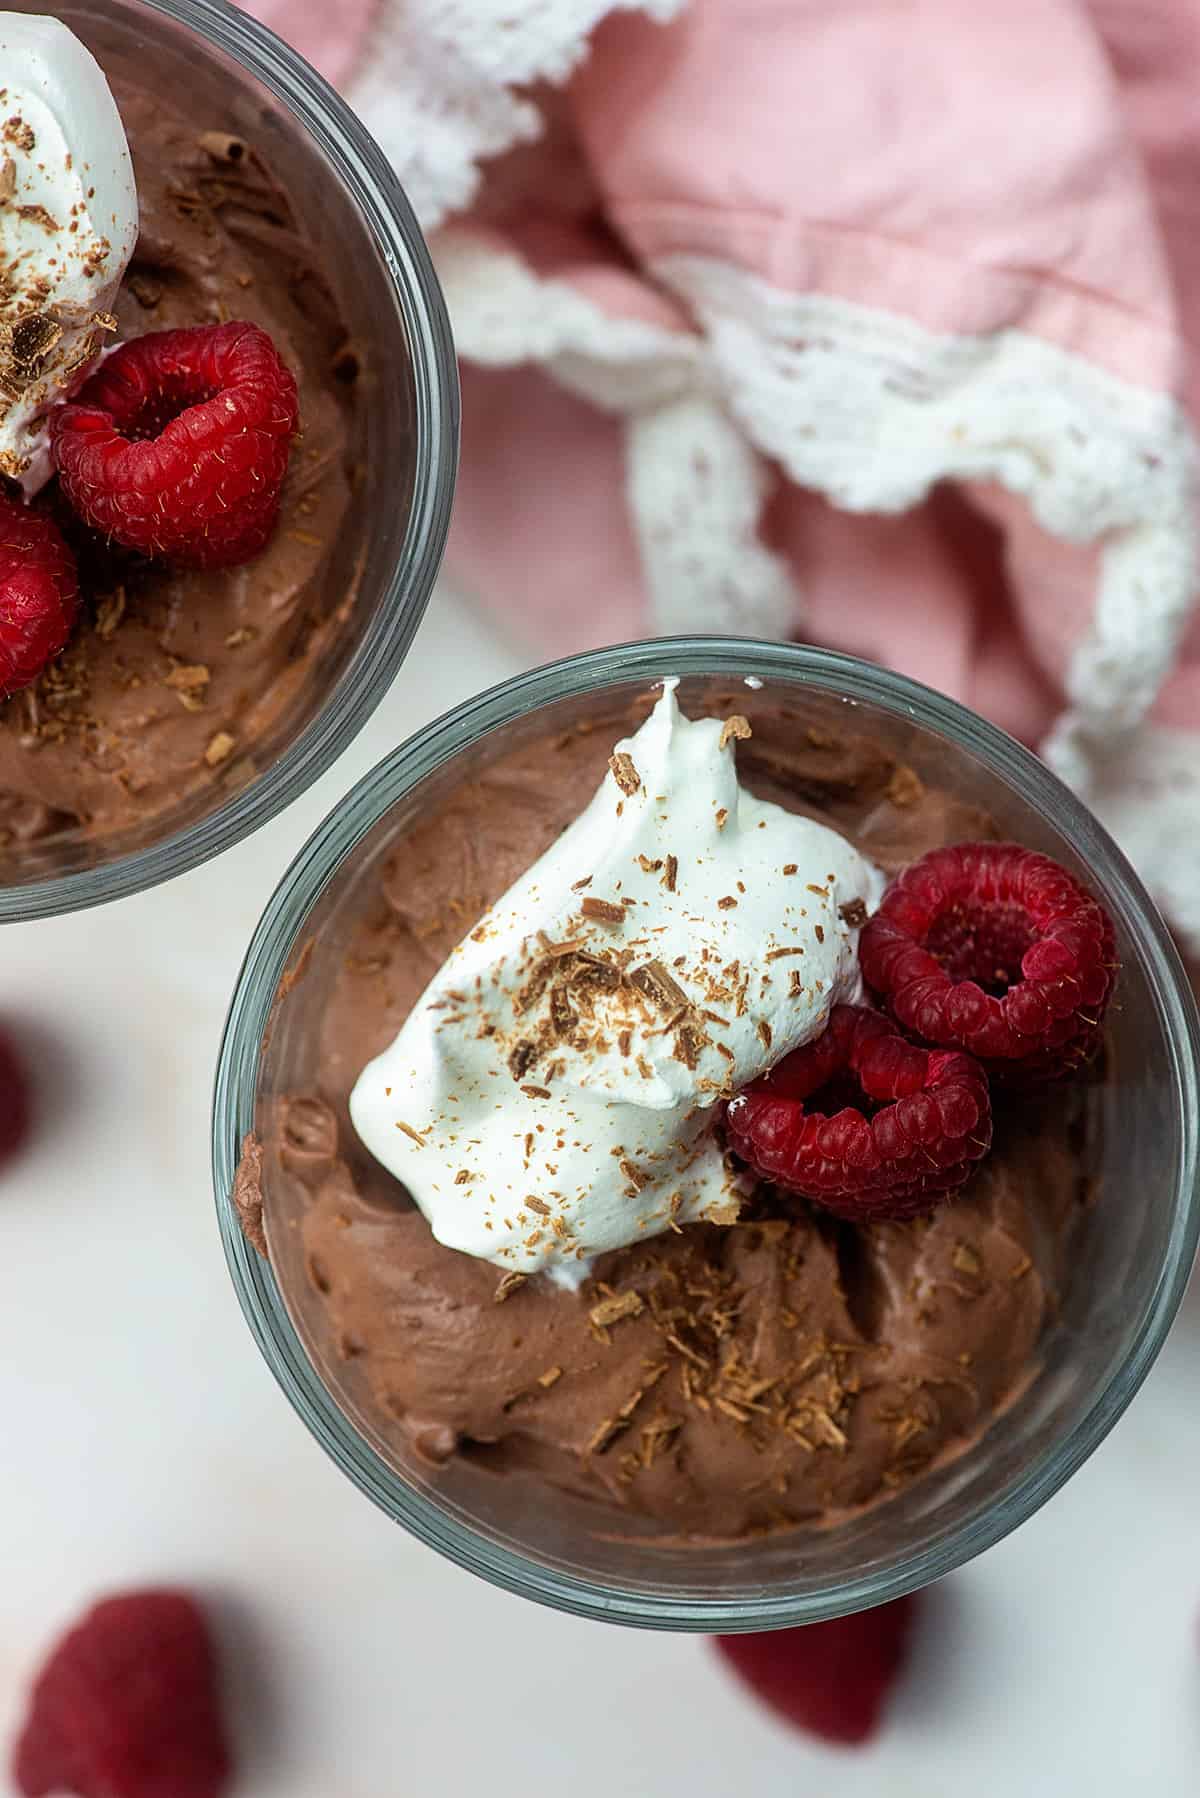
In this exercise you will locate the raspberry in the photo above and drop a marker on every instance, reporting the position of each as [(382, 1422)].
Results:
[(830, 1678), (994, 949), (14, 1101), (177, 446), (39, 594), (926, 1121), (126, 1707)]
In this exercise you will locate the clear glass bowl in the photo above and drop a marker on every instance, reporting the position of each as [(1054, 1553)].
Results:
[(246, 81), (1134, 1252)]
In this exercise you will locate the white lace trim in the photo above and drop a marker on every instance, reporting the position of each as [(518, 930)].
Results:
[(696, 492), (504, 314), (871, 410), (696, 486), (438, 79)]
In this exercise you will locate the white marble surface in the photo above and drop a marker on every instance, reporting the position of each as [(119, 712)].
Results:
[(145, 1441)]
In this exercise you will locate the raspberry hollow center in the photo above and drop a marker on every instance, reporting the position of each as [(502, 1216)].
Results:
[(158, 409), (984, 943)]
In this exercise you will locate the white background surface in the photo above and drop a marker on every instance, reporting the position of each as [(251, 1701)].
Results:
[(144, 1440)]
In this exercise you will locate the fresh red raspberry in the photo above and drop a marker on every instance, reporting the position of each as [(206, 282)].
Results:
[(39, 594), (994, 949), (833, 1679), (177, 446), (14, 1101), (919, 1120), (126, 1707)]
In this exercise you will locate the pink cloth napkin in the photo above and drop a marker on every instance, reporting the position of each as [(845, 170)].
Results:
[(868, 324)]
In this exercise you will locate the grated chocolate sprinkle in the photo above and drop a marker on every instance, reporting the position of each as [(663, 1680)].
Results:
[(624, 772)]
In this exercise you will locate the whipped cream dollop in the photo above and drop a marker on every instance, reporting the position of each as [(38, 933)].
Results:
[(68, 226), (554, 1092)]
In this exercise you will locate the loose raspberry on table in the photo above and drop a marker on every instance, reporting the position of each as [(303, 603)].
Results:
[(39, 593), (178, 445), (832, 1679), (995, 949), (126, 1707), (14, 1100), (863, 1122)]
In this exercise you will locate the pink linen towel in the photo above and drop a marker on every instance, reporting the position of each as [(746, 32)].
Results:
[(866, 323)]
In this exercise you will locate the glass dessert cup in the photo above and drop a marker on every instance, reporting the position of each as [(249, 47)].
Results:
[(403, 448), (1131, 1258)]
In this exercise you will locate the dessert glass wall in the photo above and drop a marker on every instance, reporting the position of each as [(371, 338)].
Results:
[(368, 248), (1133, 1252)]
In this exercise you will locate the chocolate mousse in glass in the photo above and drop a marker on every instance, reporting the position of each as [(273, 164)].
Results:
[(190, 705), (600, 1362)]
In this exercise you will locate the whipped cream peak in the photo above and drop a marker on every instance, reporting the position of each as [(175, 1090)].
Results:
[(554, 1093), (68, 226)]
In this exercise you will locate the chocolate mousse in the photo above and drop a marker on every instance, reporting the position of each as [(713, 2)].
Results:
[(719, 1378), (171, 674)]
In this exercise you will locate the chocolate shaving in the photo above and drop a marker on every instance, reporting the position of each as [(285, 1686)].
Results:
[(522, 1056), (689, 1041), (536, 1092), (603, 910), (557, 950), (738, 727), (624, 772), (220, 749), (656, 1435), (854, 913), (38, 215), (413, 1135), (507, 1287), (33, 339), (636, 1176), (188, 678), (109, 613), (905, 788), (672, 870), (563, 1016), (605, 1434), (612, 1310), (663, 992), (538, 1205), (223, 147)]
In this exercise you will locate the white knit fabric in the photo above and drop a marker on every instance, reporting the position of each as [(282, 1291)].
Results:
[(695, 484), (441, 80), (858, 404), (871, 410)]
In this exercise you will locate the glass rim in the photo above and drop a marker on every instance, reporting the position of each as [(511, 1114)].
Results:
[(372, 186), (318, 863)]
